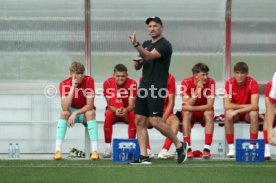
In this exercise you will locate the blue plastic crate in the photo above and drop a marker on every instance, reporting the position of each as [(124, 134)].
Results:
[(125, 150), (249, 155)]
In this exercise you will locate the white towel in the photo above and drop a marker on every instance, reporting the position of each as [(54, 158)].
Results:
[(272, 93)]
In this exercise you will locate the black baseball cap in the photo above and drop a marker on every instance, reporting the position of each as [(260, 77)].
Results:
[(155, 19)]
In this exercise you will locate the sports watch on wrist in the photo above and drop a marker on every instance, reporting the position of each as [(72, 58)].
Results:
[(136, 44)]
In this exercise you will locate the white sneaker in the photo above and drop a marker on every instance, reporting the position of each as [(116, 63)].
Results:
[(151, 155), (231, 153), (107, 153), (267, 155), (165, 154)]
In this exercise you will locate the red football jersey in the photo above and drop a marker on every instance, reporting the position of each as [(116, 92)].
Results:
[(241, 95), (111, 90), (267, 91), (79, 98), (188, 87)]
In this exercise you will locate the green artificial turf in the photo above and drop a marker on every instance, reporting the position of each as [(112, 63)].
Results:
[(65, 171)]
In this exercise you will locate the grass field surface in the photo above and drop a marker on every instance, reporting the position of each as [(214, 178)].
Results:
[(66, 171)]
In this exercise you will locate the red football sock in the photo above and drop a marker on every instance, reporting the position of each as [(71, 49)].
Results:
[(187, 139), (148, 145), (131, 125), (253, 136), (208, 139), (167, 144), (230, 138), (108, 122), (265, 137)]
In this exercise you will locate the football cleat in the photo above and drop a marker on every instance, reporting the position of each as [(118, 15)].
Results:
[(206, 153), (190, 153), (182, 152), (231, 154), (165, 154), (58, 155), (107, 153), (150, 154), (94, 155), (267, 155), (142, 160)]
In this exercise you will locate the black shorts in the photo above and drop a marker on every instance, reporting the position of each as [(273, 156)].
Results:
[(150, 103)]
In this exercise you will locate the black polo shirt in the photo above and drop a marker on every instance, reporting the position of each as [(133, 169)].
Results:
[(156, 72)]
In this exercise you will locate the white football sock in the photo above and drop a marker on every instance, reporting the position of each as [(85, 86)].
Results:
[(267, 148), (108, 145), (58, 145), (231, 147), (94, 145)]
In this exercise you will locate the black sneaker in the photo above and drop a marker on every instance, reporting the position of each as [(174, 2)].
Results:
[(142, 160), (182, 153)]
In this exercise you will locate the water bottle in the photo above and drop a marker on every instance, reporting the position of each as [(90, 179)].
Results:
[(220, 150), (126, 152), (16, 151), (131, 154), (123, 155), (254, 154), (10, 151), (246, 154)]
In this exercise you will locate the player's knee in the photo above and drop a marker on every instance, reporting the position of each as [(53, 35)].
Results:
[(157, 123), (228, 115), (109, 114), (209, 114), (139, 121), (90, 114), (65, 114), (154, 122), (187, 114), (253, 114), (174, 123)]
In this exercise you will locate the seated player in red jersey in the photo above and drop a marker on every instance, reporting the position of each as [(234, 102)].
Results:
[(120, 92), (77, 103), (240, 104), (198, 95)]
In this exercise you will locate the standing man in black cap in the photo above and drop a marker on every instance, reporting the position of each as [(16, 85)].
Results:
[(154, 57)]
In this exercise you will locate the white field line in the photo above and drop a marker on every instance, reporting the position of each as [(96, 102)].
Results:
[(211, 165)]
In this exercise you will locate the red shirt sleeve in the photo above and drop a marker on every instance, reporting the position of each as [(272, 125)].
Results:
[(133, 89), (184, 89), (227, 83), (254, 87), (105, 86), (109, 90), (211, 88), (64, 89), (267, 89), (90, 87), (171, 85)]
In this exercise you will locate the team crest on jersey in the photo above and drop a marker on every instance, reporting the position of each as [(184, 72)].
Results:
[(119, 100)]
